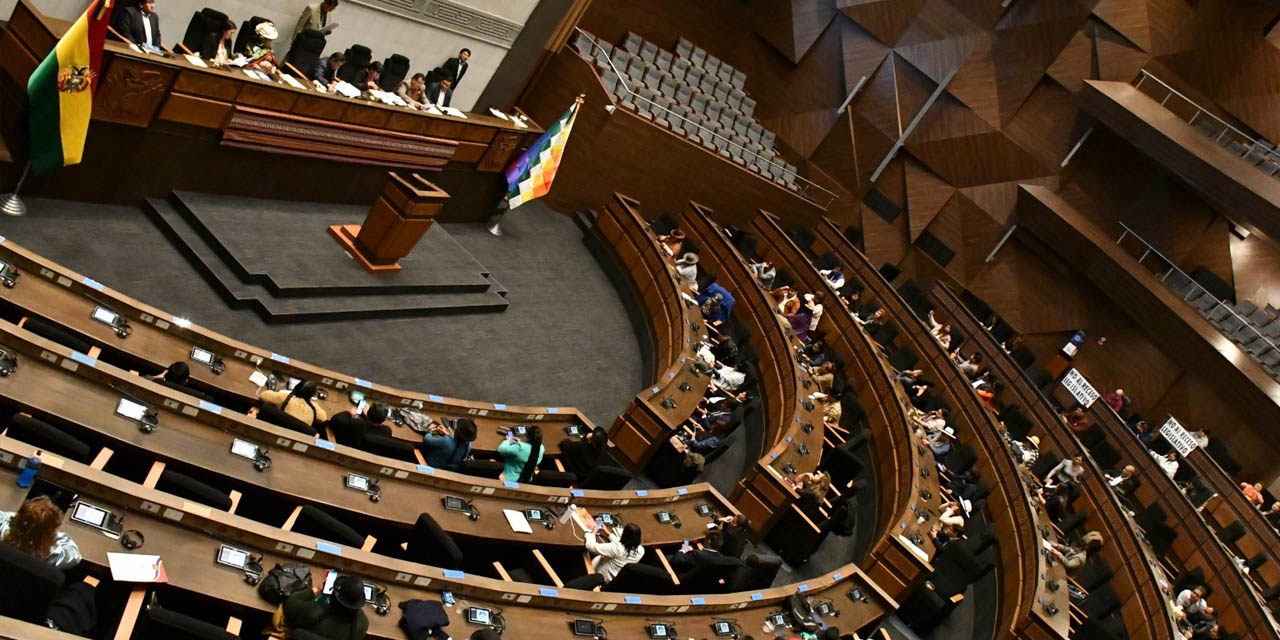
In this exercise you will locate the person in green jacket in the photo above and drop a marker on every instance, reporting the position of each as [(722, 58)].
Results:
[(335, 617), (517, 456)]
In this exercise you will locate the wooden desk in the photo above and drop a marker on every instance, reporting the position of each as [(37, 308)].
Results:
[(1228, 182), (1021, 528), (765, 493), (66, 298), (186, 536), (906, 472), (675, 328), (199, 434), (1138, 579)]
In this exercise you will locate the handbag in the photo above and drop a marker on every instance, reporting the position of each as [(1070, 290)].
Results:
[(283, 581)]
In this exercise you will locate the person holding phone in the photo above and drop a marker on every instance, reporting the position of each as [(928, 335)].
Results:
[(336, 616), (447, 449), (353, 426), (613, 551), (521, 458)]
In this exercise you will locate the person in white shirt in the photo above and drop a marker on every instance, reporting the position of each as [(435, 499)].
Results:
[(1192, 601), (1169, 463), (728, 377), (941, 332), (1201, 437), (687, 267), (613, 551), (765, 273), (438, 93), (1122, 482), (833, 276), (1071, 469), (813, 302)]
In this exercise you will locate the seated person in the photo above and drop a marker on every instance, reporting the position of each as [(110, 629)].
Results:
[(765, 272), (1056, 500), (950, 525), (438, 93), (971, 367), (938, 442), (1168, 462), (582, 455), (831, 408), (1142, 431), (1074, 556), (1122, 481), (987, 394), (297, 403), (726, 377), (1201, 437), (689, 557), (350, 427), (734, 530), (1118, 401), (704, 441), (518, 455), (941, 332), (672, 242), (1028, 451), (257, 52), (873, 323), (814, 484), (326, 71), (446, 448), (613, 551), (1068, 470), (834, 277), (786, 301), (932, 422), (367, 78), (717, 407), (1191, 601), (1273, 514), (1252, 493), (219, 44), (334, 617), (178, 376), (687, 267), (33, 529), (716, 302), (1076, 420), (139, 24), (824, 376), (815, 352)]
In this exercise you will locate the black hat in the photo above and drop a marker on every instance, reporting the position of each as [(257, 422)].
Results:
[(348, 591)]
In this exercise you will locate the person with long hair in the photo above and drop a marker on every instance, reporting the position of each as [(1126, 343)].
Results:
[(445, 448), (298, 403), (521, 458), (33, 529), (613, 551)]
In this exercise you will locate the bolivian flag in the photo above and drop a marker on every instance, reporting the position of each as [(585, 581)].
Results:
[(530, 175), (61, 91)]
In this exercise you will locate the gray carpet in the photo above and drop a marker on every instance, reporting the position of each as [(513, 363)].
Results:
[(565, 339)]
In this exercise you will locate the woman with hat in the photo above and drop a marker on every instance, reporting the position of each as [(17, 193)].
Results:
[(258, 50), (336, 617), (687, 267)]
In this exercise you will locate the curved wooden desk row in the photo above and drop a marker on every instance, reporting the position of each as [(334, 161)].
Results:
[(1235, 599), (908, 495), (675, 325), (66, 298), (63, 386), (794, 433), (139, 89), (1032, 602), (187, 536), (1139, 578)]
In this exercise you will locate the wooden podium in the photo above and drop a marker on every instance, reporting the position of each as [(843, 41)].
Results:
[(400, 216)]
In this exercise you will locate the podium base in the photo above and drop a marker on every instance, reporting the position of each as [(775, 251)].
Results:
[(346, 234)]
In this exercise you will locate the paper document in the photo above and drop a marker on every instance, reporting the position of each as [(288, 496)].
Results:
[(583, 519), (431, 109), (498, 114), (195, 60), (518, 522), (291, 81), (328, 28), (345, 88), (136, 567), (258, 378), (455, 113)]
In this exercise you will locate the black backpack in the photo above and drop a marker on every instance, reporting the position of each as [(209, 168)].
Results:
[(283, 581)]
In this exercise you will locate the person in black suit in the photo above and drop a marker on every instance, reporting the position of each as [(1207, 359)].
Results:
[(690, 557), (452, 70), (138, 24), (350, 428)]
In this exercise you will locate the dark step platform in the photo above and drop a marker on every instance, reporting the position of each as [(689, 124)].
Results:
[(285, 246), (329, 305)]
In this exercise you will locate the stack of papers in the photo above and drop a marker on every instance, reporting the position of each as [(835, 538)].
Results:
[(345, 88), (431, 109), (195, 60), (291, 81), (454, 112), (518, 522), (136, 567), (498, 114)]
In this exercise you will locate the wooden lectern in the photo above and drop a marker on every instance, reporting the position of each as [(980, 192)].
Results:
[(400, 216)]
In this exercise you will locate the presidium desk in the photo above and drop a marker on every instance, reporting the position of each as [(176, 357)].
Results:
[(162, 123)]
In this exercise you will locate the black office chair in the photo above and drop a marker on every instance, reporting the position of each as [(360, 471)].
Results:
[(757, 572), (56, 334), (305, 52), (841, 464), (40, 585), (889, 271), (246, 34), (886, 334), (430, 544), (714, 575), (184, 486), (1100, 602), (640, 578), (389, 446), (182, 388), (314, 521), (606, 478), (585, 582), (1023, 357), (481, 468), (562, 479), (394, 70), (164, 623), (903, 359), (275, 415), (1231, 533), (49, 438), (357, 58), (1095, 571), (204, 23)]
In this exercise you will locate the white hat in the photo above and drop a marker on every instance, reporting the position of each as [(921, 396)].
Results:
[(1035, 441), (266, 30)]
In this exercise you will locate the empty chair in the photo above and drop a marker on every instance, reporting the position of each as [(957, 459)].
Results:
[(40, 583), (757, 572), (679, 67), (652, 78), (632, 43), (649, 52), (683, 48), (667, 87), (725, 72), (163, 623), (605, 478), (204, 32), (739, 79), (636, 68), (56, 334), (314, 521), (1100, 602), (1232, 532), (620, 59), (305, 52), (1256, 561), (754, 131), (707, 85), (640, 578), (698, 57), (721, 92), (711, 64), (734, 99), (693, 76), (663, 61), (766, 140), (357, 57), (644, 102), (184, 486), (748, 107), (48, 437), (582, 43), (610, 81), (430, 544), (710, 576), (394, 70), (1095, 571)]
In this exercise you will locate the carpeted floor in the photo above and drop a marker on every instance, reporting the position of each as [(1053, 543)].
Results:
[(564, 340)]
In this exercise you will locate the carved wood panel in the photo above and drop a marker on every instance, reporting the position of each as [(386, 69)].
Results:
[(131, 92)]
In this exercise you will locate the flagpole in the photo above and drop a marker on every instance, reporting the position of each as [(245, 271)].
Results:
[(10, 203), (496, 218)]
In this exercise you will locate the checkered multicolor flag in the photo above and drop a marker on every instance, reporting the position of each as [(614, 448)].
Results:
[(530, 176)]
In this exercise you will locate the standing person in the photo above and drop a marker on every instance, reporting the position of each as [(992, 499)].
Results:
[(316, 16), (33, 529), (452, 70), (613, 551), (519, 457), (139, 24)]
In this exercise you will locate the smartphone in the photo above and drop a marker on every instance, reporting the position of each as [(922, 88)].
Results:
[(330, 577), (447, 597)]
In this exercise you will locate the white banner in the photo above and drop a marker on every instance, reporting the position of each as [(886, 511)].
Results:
[(1177, 436), (1080, 389)]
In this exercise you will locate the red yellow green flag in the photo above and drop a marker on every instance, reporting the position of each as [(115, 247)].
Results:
[(531, 174), (61, 91)]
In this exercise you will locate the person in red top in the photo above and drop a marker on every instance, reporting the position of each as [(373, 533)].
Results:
[(1118, 401), (1252, 493), (1077, 421)]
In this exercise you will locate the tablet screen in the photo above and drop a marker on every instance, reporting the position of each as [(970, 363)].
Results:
[(131, 409), (479, 615), (664, 517), (105, 315), (200, 355), (91, 515), (233, 556), (584, 627), (658, 630), (244, 449), (357, 482), (368, 594), (722, 628), (454, 503), (533, 514)]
